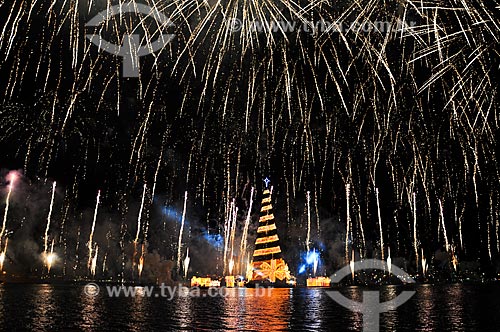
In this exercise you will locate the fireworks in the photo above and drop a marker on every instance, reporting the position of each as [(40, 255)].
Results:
[(454, 261), (231, 241), (415, 246), (93, 264), (141, 259), (186, 264), (351, 265), (12, 178), (140, 266), (389, 260), (2, 260), (140, 215), (315, 263), (244, 236), (50, 257), (90, 244), (424, 264), (49, 260), (402, 115), (181, 231), (249, 271), (2, 254), (380, 226), (228, 226), (308, 236), (447, 245), (348, 218)]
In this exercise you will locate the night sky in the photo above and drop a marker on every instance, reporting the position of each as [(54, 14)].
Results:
[(411, 114)]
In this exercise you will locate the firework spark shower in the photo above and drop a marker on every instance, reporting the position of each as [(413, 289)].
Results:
[(400, 117), (374, 123)]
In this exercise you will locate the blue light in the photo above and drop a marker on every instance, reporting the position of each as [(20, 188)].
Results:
[(215, 240), (172, 213), (302, 269), (311, 257)]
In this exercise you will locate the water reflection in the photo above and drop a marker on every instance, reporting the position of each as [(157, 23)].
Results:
[(353, 319), (234, 309), (139, 308), (266, 308), (314, 306), (67, 308), (90, 313), (455, 311), (390, 319), (184, 312), (44, 307), (426, 308)]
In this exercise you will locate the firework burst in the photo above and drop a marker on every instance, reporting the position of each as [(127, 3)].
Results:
[(395, 102)]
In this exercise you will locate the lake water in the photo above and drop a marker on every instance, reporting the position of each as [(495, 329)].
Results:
[(455, 307)]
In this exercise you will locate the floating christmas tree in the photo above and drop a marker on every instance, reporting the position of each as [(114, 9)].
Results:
[(269, 267)]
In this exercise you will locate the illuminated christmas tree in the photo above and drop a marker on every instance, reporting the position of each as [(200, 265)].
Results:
[(269, 267)]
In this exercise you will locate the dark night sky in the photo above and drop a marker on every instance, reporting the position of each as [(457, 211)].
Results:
[(321, 112)]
